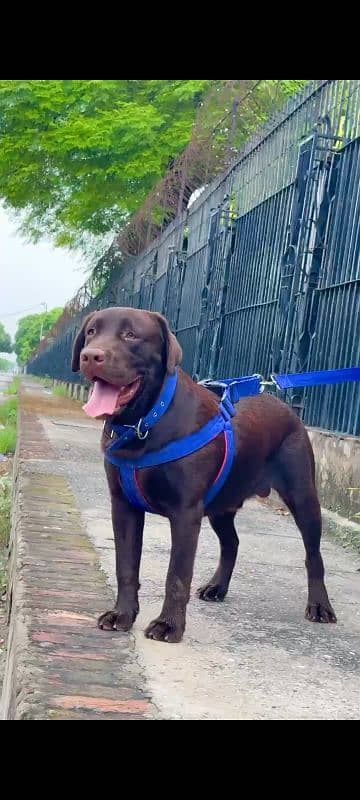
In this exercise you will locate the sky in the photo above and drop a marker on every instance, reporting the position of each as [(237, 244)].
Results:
[(33, 274)]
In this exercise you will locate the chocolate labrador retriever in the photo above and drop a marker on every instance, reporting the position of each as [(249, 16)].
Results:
[(129, 354)]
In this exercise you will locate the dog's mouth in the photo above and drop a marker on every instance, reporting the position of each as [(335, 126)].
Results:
[(107, 399)]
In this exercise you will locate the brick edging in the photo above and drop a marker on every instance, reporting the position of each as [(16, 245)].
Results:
[(59, 665)]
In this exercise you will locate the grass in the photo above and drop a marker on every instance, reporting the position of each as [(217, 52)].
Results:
[(8, 440), (5, 504), (5, 509), (5, 365), (46, 382), (8, 419), (14, 387), (60, 391), (8, 412)]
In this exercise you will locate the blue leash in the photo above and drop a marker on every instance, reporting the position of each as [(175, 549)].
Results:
[(255, 384), (321, 378)]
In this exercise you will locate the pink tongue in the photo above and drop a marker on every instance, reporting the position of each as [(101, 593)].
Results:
[(103, 400)]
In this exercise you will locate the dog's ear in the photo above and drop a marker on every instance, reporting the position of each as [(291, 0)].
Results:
[(173, 351), (78, 345)]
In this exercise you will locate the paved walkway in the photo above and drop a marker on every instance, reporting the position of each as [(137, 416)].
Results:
[(252, 657)]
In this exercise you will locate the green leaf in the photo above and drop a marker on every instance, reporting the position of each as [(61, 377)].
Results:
[(77, 157)]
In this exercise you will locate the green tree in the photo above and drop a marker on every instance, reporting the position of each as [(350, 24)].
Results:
[(5, 365), (77, 157), (5, 340), (30, 330)]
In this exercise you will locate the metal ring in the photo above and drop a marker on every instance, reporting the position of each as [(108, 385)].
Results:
[(139, 433)]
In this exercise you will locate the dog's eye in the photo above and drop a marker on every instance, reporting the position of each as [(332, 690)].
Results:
[(130, 335), (91, 331)]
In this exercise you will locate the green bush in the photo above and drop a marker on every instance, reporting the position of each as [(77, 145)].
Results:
[(5, 365), (8, 440), (8, 411), (14, 387), (46, 382), (8, 419), (5, 509), (5, 505), (60, 391)]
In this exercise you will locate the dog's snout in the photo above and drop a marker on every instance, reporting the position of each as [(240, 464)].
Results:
[(92, 356)]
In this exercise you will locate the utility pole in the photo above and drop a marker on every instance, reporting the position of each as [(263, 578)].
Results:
[(44, 305)]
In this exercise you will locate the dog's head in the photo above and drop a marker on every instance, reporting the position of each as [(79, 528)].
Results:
[(124, 351)]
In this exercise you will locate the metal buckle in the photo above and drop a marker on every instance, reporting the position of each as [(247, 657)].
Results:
[(139, 433), (264, 384), (111, 434), (136, 428)]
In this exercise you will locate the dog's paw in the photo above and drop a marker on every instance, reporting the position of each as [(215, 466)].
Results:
[(115, 621), (163, 630), (212, 592), (320, 612)]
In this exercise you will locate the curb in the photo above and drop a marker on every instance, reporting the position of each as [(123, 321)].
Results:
[(59, 665), (339, 529)]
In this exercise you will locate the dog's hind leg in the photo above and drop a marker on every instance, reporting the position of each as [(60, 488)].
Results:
[(217, 587), (293, 477)]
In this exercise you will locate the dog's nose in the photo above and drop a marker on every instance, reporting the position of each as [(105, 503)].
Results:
[(92, 356)]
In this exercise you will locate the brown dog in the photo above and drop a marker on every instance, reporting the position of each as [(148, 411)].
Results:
[(133, 351)]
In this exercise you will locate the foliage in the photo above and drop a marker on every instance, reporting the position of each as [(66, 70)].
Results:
[(5, 510), (5, 340), (46, 381), (60, 391), (8, 440), (8, 435), (8, 411), (14, 386), (78, 157), (8, 419), (31, 329), (5, 365)]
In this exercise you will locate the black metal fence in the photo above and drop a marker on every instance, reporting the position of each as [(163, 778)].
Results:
[(262, 274)]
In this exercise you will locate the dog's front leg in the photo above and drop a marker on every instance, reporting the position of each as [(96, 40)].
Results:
[(185, 529), (128, 525)]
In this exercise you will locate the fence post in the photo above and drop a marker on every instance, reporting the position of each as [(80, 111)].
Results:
[(295, 326), (199, 353)]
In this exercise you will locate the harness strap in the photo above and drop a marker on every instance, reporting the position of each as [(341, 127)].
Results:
[(229, 392), (132, 489), (174, 450), (225, 468), (134, 493)]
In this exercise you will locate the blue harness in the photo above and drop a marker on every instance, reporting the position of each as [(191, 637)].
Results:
[(230, 392)]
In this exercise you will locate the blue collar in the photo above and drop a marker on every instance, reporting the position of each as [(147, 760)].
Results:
[(127, 433)]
